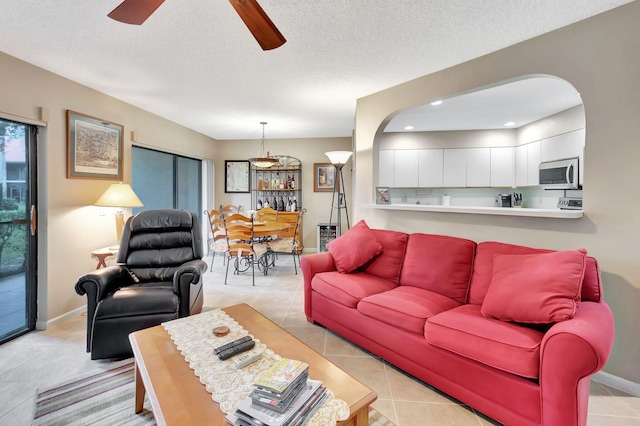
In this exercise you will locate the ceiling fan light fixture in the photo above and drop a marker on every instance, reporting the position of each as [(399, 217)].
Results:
[(263, 160)]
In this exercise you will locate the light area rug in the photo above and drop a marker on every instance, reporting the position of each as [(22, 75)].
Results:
[(106, 398)]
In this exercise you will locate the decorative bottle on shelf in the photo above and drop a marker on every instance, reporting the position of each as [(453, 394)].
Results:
[(274, 203), (281, 204), (266, 202), (259, 204), (293, 182), (281, 182), (288, 204), (294, 205)]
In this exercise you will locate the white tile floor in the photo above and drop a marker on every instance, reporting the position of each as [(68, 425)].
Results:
[(47, 357)]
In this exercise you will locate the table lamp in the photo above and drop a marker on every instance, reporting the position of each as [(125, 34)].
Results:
[(119, 195)]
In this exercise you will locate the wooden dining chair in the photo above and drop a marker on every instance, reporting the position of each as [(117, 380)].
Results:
[(241, 245), (290, 245), (217, 242)]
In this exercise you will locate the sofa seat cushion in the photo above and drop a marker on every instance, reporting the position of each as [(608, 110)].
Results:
[(349, 289), (439, 263), (405, 307), (506, 346)]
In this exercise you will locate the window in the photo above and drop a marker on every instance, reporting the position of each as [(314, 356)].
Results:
[(166, 181)]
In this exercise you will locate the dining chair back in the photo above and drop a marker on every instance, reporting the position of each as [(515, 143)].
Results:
[(217, 242), (239, 234), (228, 210), (267, 214), (290, 245)]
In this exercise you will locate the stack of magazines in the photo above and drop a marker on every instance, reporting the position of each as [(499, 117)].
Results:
[(282, 396)]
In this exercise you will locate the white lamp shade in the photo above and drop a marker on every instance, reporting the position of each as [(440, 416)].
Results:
[(338, 157), (119, 195)]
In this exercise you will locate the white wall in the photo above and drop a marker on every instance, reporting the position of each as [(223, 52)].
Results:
[(599, 56)]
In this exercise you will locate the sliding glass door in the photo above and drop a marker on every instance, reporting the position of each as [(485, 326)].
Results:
[(166, 181), (17, 229)]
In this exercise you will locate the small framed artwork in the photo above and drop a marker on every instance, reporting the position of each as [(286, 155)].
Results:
[(324, 177), (236, 176), (382, 195), (94, 148)]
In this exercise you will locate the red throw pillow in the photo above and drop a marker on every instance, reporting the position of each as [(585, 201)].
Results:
[(355, 248), (535, 288)]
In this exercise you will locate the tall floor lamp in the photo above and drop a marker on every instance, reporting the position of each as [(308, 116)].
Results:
[(339, 159)]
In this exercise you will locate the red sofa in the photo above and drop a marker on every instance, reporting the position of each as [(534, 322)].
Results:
[(514, 332)]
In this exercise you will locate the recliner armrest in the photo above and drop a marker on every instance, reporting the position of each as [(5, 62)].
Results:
[(188, 273), (97, 284)]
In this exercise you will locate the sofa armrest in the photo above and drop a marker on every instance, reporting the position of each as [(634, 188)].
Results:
[(311, 265), (570, 353)]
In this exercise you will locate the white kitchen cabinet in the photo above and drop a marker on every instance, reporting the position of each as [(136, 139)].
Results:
[(385, 167), (405, 168), (478, 167), (455, 168), (430, 168), (521, 166), (534, 155), (549, 149), (570, 144), (502, 166)]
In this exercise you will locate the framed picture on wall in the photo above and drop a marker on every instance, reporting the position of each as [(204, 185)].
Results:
[(382, 195), (324, 177), (94, 148), (236, 176)]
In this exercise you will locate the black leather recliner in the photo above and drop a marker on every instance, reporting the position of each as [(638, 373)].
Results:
[(158, 278)]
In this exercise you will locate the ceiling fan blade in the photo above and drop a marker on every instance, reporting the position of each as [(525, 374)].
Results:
[(134, 11), (262, 28)]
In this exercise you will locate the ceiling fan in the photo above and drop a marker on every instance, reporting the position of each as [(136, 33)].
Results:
[(262, 28)]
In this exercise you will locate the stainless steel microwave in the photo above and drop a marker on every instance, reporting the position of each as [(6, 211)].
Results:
[(559, 174)]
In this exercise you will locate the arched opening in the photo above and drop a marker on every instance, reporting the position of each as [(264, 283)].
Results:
[(469, 148)]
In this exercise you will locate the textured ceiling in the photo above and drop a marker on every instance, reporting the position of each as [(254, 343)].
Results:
[(195, 63)]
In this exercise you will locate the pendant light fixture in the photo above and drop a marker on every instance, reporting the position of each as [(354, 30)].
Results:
[(263, 160)]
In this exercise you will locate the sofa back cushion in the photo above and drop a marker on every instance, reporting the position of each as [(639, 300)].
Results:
[(483, 270), (389, 263), (440, 264)]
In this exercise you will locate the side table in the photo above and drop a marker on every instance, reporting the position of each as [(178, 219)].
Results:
[(102, 254)]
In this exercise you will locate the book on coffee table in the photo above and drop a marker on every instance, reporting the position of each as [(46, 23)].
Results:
[(306, 403), (281, 376)]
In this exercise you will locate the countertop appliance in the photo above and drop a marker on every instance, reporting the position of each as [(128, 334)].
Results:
[(570, 203), (559, 174), (503, 200)]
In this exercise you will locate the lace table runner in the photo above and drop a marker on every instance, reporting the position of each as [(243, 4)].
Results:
[(227, 384)]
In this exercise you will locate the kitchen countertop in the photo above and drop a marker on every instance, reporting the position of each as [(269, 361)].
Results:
[(497, 211)]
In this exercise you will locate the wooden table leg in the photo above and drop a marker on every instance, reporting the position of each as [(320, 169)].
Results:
[(362, 417), (140, 391)]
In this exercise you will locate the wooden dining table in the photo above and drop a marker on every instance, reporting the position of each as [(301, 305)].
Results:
[(261, 232)]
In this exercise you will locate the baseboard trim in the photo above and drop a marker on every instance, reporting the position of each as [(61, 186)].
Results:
[(616, 382), (43, 325)]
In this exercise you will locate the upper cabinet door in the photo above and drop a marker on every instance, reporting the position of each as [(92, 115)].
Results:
[(534, 155), (405, 172), (502, 167), (431, 168), (521, 166), (455, 168), (478, 167), (385, 169)]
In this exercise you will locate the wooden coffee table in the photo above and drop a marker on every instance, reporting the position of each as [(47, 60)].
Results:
[(178, 398)]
